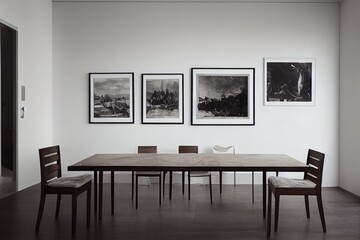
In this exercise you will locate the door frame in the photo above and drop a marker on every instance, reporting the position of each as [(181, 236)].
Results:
[(16, 110)]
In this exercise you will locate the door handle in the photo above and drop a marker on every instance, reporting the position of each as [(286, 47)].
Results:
[(23, 110)]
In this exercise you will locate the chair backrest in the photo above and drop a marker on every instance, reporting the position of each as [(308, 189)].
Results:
[(50, 163), (188, 149), (223, 149), (147, 149), (315, 160)]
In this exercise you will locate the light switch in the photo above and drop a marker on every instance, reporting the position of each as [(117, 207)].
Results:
[(22, 93)]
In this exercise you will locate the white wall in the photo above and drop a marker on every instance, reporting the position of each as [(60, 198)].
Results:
[(173, 37), (349, 96), (33, 20), (0, 109)]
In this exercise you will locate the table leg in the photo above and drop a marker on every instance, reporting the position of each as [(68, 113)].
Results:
[(170, 184), (95, 190), (100, 193), (183, 182), (112, 192), (264, 194)]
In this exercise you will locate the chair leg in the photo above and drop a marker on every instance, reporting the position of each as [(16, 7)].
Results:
[(234, 179), (88, 207), (101, 188), (136, 192), (183, 182), (252, 187), (268, 228), (210, 185), (277, 173), (132, 184), (40, 212), (321, 211), (189, 185), (163, 184), (307, 206), (277, 202), (220, 181), (73, 214), (170, 185), (160, 189), (58, 202), (112, 192), (95, 190)]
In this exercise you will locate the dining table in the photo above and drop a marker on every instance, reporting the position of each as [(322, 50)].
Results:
[(100, 163)]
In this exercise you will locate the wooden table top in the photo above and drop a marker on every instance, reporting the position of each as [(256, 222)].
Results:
[(189, 161)]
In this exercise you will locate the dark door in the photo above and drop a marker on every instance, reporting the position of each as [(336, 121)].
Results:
[(8, 97)]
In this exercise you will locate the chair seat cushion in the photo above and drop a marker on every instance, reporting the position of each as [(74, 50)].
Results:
[(148, 173), (199, 174), (74, 182), (280, 182)]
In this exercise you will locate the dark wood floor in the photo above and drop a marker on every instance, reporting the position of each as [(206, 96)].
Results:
[(7, 184), (232, 216)]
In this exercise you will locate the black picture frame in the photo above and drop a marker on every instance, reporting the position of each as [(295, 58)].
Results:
[(289, 82), (111, 97), (162, 98), (223, 96)]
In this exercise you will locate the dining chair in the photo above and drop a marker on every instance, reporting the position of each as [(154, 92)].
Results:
[(52, 182), (170, 182), (217, 149), (310, 185), (138, 174), (194, 149)]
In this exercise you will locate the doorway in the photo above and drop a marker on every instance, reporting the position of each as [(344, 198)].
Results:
[(8, 116)]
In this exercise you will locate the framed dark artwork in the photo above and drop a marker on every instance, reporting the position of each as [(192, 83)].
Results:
[(111, 97), (162, 98), (223, 96), (289, 81)]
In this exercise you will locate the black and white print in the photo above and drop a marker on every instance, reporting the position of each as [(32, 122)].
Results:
[(111, 98), (162, 98), (222, 96), (289, 81)]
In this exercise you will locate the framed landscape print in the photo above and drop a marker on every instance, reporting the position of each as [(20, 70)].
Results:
[(223, 96), (289, 81), (111, 97), (163, 98)]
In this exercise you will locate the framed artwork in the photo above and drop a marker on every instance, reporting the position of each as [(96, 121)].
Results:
[(223, 96), (289, 81), (111, 97), (162, 98)]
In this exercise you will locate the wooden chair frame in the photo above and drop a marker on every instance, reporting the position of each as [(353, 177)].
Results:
[(315, 160), (145, 149), (50, 168), (191, 149)]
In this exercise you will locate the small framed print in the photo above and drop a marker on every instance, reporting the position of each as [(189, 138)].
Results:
[(223, 96), (162, 98), (111, 97), (289, 82)]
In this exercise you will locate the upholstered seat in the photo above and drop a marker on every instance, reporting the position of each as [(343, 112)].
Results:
[(73, 182), (280, 182)]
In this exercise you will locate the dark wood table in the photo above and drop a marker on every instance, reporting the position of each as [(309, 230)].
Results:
[(184, 162)]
